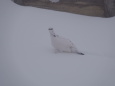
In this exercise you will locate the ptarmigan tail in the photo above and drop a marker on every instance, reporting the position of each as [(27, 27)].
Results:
[(80, 53), (75, 50)]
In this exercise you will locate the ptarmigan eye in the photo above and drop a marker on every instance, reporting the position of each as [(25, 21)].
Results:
[(50, 28)]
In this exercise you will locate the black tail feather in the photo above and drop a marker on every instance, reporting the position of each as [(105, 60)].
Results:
[(81, 53)]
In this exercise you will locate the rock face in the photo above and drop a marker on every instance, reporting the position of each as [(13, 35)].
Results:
[(100, 8), (109, 8), (54, 1), (18, 1)]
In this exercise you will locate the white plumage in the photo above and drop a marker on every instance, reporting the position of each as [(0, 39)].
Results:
[(61, 44)]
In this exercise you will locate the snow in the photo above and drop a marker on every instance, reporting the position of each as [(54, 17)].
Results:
[(28, 59)]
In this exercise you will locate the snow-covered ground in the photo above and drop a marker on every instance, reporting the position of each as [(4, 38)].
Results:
[(28, 59)]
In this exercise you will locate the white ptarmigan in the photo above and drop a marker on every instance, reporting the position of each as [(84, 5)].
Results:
[(61, 44)]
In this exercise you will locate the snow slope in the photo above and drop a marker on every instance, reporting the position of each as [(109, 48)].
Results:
[(28, 59)]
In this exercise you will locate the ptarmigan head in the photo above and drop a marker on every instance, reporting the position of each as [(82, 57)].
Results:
[(52, 32)]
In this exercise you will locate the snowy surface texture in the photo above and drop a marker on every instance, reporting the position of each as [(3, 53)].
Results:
[(28, 59)]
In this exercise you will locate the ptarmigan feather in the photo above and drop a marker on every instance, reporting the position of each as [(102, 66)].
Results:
[(61, 44)]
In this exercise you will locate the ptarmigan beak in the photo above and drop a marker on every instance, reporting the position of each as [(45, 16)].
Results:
[(50, 28)]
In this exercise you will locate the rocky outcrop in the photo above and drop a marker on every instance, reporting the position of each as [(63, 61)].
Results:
[(109, 8), (100, 8)]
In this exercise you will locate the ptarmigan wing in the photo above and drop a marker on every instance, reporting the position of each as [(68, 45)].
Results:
[(62, 44)]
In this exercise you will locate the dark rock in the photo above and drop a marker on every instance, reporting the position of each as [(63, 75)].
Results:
[(100, 8)]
